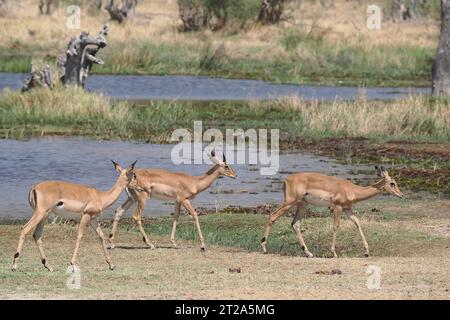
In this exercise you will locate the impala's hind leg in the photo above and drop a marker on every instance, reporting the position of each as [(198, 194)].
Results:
[(38, 239), (117, 215), (38, 215), (272, 218), (301, 210)]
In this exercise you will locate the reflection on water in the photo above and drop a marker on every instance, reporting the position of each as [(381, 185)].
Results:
[(79, 160), (204, 88)]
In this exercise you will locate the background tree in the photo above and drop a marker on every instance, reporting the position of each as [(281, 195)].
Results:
[(441, 64), (126, 11), (271, 11), (46, 6)]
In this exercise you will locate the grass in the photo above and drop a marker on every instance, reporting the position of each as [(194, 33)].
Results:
[(316, 45), (233, 242), (334, 129), (245, 231), (74, 112)]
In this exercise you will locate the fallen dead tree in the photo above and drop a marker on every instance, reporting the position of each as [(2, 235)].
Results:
[(38, 78), (74, 66), (80, 57)]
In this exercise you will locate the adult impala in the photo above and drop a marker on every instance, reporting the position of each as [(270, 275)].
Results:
[(75, 201), (302, 189), (166, 185)]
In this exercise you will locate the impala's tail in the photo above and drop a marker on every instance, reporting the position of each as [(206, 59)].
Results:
[(32, 200)]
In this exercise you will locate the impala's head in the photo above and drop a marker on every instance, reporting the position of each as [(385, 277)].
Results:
[(390, 185), (222, 166), (127, 174)]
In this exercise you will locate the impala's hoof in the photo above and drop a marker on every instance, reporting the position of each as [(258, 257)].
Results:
[(309, 255), (13, 269), (50, 269), (203, 249), (264, 249), (174, 244), (366, 255), (112, 267)]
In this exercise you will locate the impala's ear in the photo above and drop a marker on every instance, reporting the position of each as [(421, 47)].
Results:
[(385, 173), (131, 167), (117, 166), (223, 157), (379, 171)]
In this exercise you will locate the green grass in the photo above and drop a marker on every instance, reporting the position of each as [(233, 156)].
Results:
[(316, 62), (74, 112), (245, 231)]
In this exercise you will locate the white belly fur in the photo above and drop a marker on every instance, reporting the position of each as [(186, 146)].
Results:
[(70, 209), (318, 198), (163, 192)]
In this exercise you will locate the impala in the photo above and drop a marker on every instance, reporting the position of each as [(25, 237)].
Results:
[(72, 201), (166, 185), (302, 189)]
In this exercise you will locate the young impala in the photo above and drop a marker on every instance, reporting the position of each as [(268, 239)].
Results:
[(166, 185), (302, 189), (75, 201)]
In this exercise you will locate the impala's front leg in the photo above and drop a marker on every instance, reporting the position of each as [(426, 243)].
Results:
[(194, 214), (337, 220), (118, 214), (358, 226), (83, 222), (96, 226), (174, 225), (137, 217)]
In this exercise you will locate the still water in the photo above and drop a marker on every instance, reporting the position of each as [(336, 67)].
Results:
[(81, 160), (133, 87)]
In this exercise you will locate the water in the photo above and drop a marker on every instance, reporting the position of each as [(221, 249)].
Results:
[(80, 160), (134, 87)]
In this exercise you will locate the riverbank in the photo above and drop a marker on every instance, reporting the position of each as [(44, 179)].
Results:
[(410, 135), (321, 45), (401, 234)]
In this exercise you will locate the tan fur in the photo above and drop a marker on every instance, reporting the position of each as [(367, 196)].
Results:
[(73, 201), (303, 189), (168, 185)]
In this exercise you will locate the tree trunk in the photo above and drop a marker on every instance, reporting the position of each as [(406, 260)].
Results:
[(441, 64), (38, 78), (271, 11), (80, 56), (127, 10), (45, 6)]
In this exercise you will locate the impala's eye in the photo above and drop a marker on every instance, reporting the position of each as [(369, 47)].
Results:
[(392, 184), (227, 167)]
